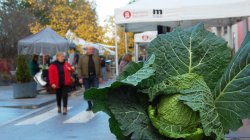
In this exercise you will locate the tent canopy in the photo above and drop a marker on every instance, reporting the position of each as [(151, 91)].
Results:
[(102, 48), (145, 15), (79, 41), (45, 42)]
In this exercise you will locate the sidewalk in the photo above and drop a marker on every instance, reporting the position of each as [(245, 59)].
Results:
[(242, 133), (7, 100), (12, 109)]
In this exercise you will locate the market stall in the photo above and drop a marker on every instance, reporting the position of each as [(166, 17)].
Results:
[(45, 43), (141, 41), (150, 15)]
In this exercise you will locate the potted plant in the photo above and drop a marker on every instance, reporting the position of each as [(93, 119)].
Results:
[(25, 86)]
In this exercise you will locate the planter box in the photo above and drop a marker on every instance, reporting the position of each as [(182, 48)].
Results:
[(25, 90)]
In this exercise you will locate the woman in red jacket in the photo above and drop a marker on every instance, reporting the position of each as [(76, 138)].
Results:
[(59, 77)]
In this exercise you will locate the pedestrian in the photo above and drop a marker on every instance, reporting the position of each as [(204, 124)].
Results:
[(47, 60), (45, 74), (59, 78), (89, 71), (104, 68), (34, 66), (125, 60), (72, 56)]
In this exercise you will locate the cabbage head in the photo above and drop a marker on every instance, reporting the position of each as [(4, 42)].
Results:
[(174, 119)]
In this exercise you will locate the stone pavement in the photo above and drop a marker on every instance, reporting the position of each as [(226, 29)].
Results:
[(12, 109), (7, 100)]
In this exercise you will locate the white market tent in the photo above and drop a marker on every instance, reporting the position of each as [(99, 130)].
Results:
[(144, 38), (72, 37), (102, 48), (146, 15)]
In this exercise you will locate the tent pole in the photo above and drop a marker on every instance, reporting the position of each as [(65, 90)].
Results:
[(126, 41), (43, 59), (116, 52), (230, 31), (247, 22), (136, 52)]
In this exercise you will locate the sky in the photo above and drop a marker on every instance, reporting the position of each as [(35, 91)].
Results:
[(106, 8)]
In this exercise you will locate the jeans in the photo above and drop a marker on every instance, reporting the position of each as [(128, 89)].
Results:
[(88, 83), (62, 93)]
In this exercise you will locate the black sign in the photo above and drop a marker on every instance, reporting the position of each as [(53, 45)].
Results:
[(157, 12)]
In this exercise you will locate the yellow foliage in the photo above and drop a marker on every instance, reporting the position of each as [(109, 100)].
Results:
[(79, 16), (106, 53), (79, 49), (35, 27)]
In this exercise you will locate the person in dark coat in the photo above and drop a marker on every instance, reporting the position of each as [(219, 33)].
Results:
[(103, 68), (89, 71), (59, 78), (34, 66)]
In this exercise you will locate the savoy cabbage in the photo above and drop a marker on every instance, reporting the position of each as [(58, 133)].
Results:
[(189, 88)]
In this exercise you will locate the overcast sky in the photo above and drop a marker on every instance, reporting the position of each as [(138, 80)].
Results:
[(106, 8)]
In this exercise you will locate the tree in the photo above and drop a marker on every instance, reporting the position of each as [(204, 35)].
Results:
[(77, 15), (110, 37), (14, 20), (88, 27)]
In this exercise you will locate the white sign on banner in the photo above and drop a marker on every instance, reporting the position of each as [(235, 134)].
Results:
[(145, 37)]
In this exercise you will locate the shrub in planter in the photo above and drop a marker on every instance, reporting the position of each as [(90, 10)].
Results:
[(25, 87), (23, 74)]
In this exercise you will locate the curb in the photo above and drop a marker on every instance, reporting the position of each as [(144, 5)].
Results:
[(32, 106), (78, 93)]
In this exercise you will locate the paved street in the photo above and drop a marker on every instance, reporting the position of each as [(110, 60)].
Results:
[(47, 123)]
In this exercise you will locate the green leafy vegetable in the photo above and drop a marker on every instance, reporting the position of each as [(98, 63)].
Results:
[(189, 88), (143, 73), (195, 50), (131, 114), (200, 99), (180, 123), (232, 94), (130, 69)]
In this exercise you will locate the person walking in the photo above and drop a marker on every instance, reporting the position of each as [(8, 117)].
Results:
[(34, 66), (124, 61), (59, 78), (89, 71), (104, 68)]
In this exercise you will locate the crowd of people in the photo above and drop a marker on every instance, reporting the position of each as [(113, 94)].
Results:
[(62, 73)]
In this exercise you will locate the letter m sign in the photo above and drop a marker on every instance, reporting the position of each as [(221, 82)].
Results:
[(157, 12)]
